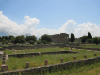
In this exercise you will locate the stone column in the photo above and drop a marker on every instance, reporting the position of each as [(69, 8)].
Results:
[(61, 60), (27, 64), (46, 61)]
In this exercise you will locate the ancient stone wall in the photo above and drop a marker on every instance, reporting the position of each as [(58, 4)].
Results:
[(55, 67), (60, 38), (77, 40)]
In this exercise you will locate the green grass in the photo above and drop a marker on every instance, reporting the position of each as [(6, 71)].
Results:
[(88, 44), (35, 61), (91, 46), (37, 50), (92, 69)]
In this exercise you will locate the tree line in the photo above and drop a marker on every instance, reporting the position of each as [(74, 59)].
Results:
[(44, 39), (85, 39), (22, 39)]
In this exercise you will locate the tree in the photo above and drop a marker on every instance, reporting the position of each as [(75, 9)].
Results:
[(96, 40), (44, 41), (31, 42), (28, 38), (19, 39), (38, 42), (84, 39), (3, 41), (0, 39), (89, 40), (5, 37), (72, 37), (11, 38), (89, 35), (46, 38)]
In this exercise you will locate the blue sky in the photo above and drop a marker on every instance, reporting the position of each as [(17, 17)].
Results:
[(38, 17)]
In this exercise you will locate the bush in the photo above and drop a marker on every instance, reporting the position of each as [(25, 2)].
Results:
[(96, 40), (38, 42), (46, 37), (89, 40), (44, 41), (31, 42), (84, 39)]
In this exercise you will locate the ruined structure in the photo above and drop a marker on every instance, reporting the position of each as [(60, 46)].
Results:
[(77, 39), (60, 38)]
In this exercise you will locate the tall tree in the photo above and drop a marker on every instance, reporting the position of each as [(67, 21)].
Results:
[(19, 39), (46, 38), (96, 40), (30, 38), (72, 37), (84, 38), (0, 39), (11, 38), (89, 35)]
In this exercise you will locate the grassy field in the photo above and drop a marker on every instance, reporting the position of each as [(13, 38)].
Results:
[(93, 69), (35, 61), (37, 50), (91, 46)]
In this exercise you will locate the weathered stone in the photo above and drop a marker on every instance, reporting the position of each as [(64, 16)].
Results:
[(95, 54), (85, 56), (61, 60), (27, 64), (4, 68), (74, 57), (46, 61)]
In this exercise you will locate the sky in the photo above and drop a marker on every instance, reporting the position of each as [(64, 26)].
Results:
[(39, 17)]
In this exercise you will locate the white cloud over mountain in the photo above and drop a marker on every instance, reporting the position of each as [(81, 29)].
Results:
[(12, 28)]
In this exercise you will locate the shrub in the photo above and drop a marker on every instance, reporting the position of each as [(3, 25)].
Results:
[(46, 37), (89, 40), (38, 42), (31, 42), (96, 40), (84, 39), (44, 41)]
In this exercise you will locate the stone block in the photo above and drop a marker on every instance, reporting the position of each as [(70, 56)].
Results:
[(74, 57), (27, 64), (4, 68), (61, 60), (85, 56), (46, 61), (95, 54)]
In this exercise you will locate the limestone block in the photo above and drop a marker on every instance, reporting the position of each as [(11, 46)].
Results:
[(4, 68)]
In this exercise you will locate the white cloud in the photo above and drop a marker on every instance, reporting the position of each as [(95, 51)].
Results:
[(12, 28)]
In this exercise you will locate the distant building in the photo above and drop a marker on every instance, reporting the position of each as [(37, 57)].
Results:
[(60, 38), (77, 39)]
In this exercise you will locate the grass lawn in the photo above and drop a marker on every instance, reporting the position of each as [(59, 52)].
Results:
[(91, 46), (35, 61), (37, 50), (93, 69)]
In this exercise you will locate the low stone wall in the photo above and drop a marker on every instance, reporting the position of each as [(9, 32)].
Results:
[(26, 47), (87, 48), (52, 68), (42, 53)]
